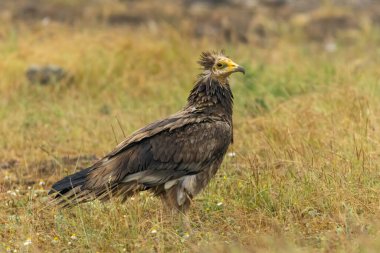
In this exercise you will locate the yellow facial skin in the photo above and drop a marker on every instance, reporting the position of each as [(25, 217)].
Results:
[(223, 67)]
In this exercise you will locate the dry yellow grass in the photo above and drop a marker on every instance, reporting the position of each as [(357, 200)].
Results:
[(305, 177)]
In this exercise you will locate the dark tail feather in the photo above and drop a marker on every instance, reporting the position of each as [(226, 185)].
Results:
[(70, 182), (79, 188), (69, 191)]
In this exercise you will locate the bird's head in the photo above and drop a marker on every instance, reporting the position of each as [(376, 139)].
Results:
[(218, 65)]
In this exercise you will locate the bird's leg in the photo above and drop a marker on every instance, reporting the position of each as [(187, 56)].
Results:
[(185, 224), (178, 214), (184, 217)]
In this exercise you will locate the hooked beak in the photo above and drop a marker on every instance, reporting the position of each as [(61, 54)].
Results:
[(239, 69), (233, 67)]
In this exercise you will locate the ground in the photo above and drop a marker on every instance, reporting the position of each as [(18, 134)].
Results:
[(301, 176)]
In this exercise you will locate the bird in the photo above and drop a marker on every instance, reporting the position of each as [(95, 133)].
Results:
[(174, 158)]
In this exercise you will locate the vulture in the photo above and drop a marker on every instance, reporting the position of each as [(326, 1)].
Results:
[(174, 158)]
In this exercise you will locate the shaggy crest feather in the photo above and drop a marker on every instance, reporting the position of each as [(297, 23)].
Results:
[(207, 59)]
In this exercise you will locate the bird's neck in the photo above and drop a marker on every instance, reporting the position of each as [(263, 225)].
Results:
[(211, 96)]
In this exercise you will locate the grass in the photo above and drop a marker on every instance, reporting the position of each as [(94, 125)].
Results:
[(305, 177)]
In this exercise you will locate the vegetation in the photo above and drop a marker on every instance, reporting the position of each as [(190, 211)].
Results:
[(301, 176)]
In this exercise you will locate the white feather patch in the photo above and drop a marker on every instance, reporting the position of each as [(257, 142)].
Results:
[(170, 184)]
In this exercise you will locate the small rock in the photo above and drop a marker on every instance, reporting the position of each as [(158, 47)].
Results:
[(8, 164), (48, 74)]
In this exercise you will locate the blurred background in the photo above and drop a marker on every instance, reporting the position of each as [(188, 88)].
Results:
[(255, 22)]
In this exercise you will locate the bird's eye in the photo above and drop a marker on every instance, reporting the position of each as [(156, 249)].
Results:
[(219, 65)]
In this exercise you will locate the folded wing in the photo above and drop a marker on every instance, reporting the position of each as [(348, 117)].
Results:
[(162, 151)]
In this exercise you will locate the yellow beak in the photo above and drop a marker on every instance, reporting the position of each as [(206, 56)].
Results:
[(233, 67)]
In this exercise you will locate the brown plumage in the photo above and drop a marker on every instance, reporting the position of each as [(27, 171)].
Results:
[(175, 157)]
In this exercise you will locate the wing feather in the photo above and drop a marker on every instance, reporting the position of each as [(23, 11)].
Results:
[(152, 157)]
